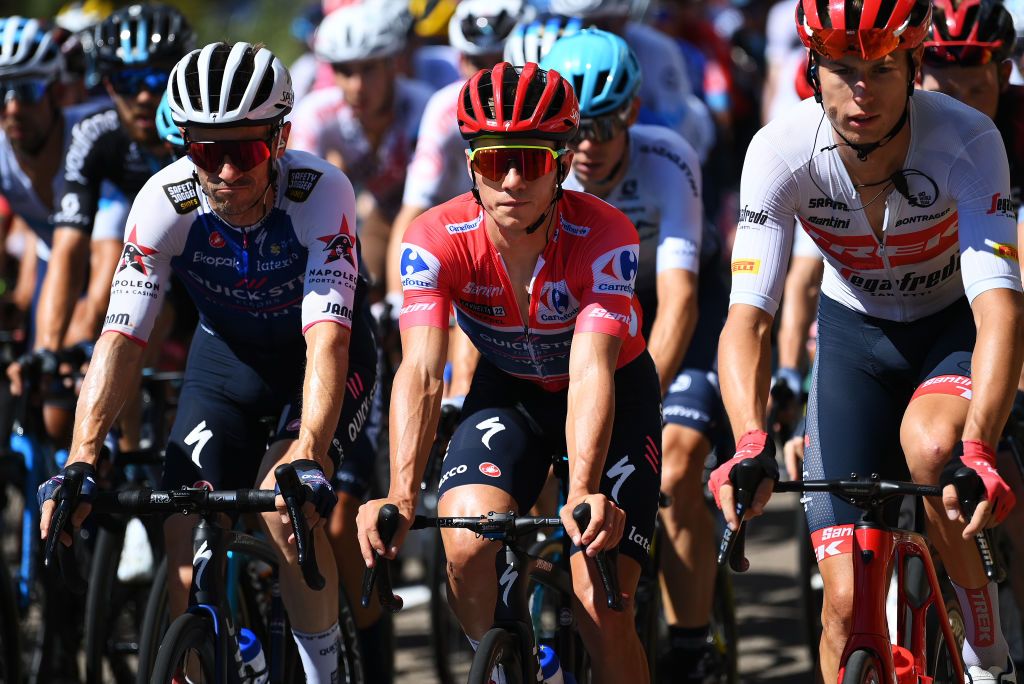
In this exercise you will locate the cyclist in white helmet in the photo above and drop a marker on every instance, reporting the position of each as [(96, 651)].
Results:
[(437, 172), (666, 96), (367, 124)]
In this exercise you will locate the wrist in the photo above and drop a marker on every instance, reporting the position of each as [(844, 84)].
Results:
[(976, 448)]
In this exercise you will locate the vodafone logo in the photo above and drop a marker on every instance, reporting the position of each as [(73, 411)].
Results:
[(216, 240), (489, 469)]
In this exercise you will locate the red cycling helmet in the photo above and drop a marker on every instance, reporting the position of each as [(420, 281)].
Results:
[(518, 102), (969, 33), (869, 28)]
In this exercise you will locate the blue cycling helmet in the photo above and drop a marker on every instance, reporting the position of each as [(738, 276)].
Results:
[(531, 40), (601, 67), (166, 129)]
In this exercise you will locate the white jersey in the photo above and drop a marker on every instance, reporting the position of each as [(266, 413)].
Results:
[(323, 123), (260, 286), (785, 55), (438, 171), (16, 187), (661, 195), (958, 236), (666, 94)]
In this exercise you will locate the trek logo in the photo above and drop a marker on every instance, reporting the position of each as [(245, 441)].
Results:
[(981, 612), (508, 578), (748, 216), (615, 271), (490, 427), (301, 183), (134, 254), (620, 472), (198, 437), (1002, 205), (419, 268), (557, 305), (183, 196), (339, 245)]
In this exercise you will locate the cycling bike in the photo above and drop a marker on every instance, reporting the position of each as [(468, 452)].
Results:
[(871, 656), (511, 643), (203, 641)]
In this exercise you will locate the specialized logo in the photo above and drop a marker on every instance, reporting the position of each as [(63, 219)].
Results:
[(489, 469), (133, 255), (620, 472), (301, 183), (198, 437), (217, 240), (200, 561), (183, 196), (490, 427), (339, 245), (557, 305), (615, 271), (748, 266), (419, 268), (1002, 249), (508, 578)]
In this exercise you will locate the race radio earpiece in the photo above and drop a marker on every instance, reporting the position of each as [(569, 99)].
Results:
[(812, 77)]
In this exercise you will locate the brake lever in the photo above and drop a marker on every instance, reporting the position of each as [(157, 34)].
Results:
[(608, 573), (380, 573), (969, 493), (746, 477), (67, 500), (293, 495)]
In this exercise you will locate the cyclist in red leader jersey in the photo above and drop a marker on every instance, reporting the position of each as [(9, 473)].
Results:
[(921, 315), (542, 283)]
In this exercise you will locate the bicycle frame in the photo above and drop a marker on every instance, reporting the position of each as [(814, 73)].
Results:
[(875, 549)]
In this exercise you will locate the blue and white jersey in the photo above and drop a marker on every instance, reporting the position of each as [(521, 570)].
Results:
[(16, 187), (259, 286)]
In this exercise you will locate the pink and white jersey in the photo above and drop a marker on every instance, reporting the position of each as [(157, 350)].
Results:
[(438, 171), (583, 282), (952, 230), (323, 123)]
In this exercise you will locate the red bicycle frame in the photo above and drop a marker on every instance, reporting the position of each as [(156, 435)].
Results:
[(874, 552)]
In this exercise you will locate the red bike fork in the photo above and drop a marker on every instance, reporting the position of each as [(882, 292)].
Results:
[(872, 557)]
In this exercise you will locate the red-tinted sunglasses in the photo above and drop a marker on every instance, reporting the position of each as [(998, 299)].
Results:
[(245, 154), (531, 161)]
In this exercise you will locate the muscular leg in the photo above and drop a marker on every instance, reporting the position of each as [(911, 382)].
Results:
[(836, 613), (687, 561), (472, 582), (610, 637)]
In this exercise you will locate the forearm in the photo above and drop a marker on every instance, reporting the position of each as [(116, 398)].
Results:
[(415, 410), (744, 367), (798, 309), (464, 357), (103, 393), (998, 348), (65, 276), (671, 335), (88, 319), (323, 389), (590, 416)]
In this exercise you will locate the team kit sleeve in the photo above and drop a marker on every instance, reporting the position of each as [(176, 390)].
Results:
[(769, 202), (154, 234), (426, 174), (979, 179), (427, 300), (84, 169), (606, 276), (682, 215), (326, 226), (307, 127)]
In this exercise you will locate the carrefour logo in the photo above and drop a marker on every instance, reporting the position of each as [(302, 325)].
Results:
[(615, 271), (557, 305), (419, 268)]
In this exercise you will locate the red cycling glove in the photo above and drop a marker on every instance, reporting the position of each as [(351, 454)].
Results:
[(753, 444), (981, 458)]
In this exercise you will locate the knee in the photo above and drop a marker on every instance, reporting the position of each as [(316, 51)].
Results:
[(928, 449), (837, 611), (684, 451), (470, 560), (603, 628)]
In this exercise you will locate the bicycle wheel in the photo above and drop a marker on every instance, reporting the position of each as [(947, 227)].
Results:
[(452, 652), (10, 639), (723, 627), (497, 648), (190, 640), (863, 667), (350, 658), (940, 659), (154, 624)]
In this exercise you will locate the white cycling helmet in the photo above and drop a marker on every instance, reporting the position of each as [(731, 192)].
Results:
[(363, 30), (229, 85), (591, 9), (531, 40), (28, 49), (480, 27)]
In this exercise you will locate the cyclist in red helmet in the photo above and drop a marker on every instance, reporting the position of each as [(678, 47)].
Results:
[(921, 314), (542, 284)]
